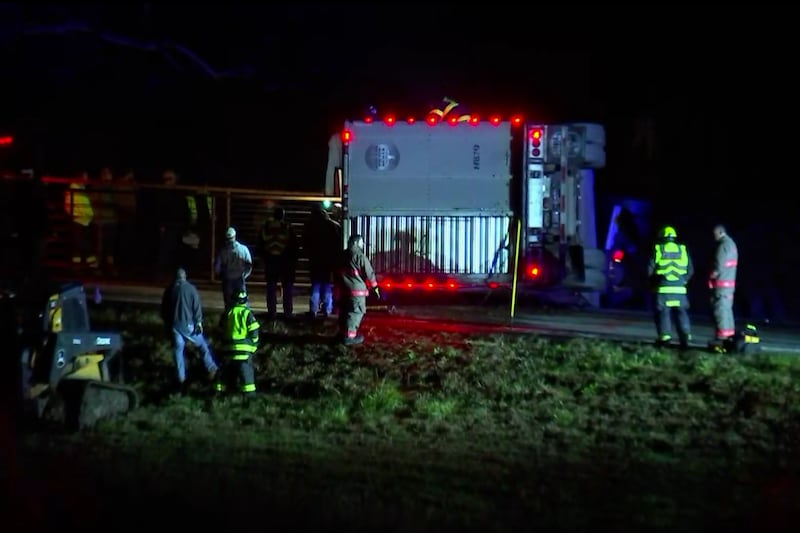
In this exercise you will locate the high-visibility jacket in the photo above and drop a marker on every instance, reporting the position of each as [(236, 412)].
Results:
[(672, 267), (239, 333), (724, 265), (78, 205)]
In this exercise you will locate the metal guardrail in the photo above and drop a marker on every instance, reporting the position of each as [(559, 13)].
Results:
[(132, 210)]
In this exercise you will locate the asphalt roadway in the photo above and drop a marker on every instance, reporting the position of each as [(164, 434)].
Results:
[(628, 326)]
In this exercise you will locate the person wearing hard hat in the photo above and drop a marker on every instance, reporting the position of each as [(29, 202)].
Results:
[(239, 332), (670, 269), (233, 265)]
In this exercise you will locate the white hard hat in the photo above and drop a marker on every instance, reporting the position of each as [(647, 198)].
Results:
[(230, 234)]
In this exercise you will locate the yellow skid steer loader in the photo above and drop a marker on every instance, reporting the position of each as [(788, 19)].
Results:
[(70, 373)]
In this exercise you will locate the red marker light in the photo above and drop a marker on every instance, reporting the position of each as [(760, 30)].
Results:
[(536, 136), (618, 256), (432, 120), (453, 120), (474, 120), (495, 120), (533, 271), (516, 120), (389, 120), (347, 136), (6, 140), (411, 120), (368, 120)]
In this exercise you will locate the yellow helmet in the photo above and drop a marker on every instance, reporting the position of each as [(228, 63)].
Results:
[(668, 232)]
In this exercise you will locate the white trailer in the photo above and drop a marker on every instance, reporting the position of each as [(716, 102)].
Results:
[(442, 204)]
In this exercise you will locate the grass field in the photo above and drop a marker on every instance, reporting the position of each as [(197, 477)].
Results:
[(438, 431)]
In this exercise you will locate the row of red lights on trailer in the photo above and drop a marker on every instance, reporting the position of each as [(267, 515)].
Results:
[(388, 283), (391, 120)]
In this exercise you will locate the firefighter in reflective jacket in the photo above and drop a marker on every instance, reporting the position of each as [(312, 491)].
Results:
[(722, 282), (239, 331), (78, 206), (356, 279), (670, 269)]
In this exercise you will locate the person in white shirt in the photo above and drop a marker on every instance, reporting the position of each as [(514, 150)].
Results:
[(233, 265)]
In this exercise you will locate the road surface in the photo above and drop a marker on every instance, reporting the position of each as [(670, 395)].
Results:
[(590, 323)]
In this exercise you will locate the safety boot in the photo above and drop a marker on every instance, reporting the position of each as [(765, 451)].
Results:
[(663, 341), (352, 341)]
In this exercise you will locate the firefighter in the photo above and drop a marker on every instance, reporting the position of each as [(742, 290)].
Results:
[(355, 276), (182, 313), (322, 237), (670, 270), (78, 206), (722, 282), (233, 264), (239, 330), (279, 250)]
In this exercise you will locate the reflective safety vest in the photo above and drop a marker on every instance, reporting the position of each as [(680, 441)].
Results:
[(275, 237), (672, 267), (191, 203), (78, 205), (240, 332)]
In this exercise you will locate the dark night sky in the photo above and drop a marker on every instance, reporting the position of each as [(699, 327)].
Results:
[(708, 76)]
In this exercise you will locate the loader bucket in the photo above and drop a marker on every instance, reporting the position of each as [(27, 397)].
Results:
[(85, 402)]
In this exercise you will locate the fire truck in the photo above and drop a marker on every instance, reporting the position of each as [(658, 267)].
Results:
[(459, 202)]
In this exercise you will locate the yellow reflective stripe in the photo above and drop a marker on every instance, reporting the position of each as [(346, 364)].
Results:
[(671, 290), (254, 326), (240, 357), (240, 347), (190, 201), (751, 340), (673, 303), (250, 387)]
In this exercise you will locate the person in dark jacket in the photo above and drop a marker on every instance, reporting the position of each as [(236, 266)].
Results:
[(357, 278), (182, 313), (173, 219), (322, 238), (279, 250)]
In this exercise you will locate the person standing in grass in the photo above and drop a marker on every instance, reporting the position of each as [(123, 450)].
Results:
[(355, 276), (239, 331), (182, 313)]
